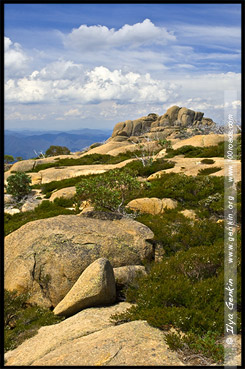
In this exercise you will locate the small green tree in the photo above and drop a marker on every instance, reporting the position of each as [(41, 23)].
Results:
[(19, 158), (18, 185), (57, 150), (108, 190), (8, 159)]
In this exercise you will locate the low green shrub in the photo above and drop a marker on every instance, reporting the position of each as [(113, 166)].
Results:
[(63, 202), (135, 166), (188, 190), (186, 291), (174, 232), (211, 205), (145, 171), (181, 290), (190, 151), (206, 345), (90, 159), (124, 156), (38, 167), (84, 160), (48, 188), (186, 149), (207, 161), (207, 171), (46, 209), (21, 320)]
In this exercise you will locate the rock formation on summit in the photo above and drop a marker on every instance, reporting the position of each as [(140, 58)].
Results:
[(174, 119)]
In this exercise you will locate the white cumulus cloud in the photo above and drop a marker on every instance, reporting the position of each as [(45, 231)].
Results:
[(60, 69), (104, 84), (96, 85), (97, 37), (15, 59)]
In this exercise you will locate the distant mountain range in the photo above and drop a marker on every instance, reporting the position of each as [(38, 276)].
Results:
[(25, 143)]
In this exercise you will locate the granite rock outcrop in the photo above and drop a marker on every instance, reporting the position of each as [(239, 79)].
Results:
[(96, 341), (47, 256), (171, 122)]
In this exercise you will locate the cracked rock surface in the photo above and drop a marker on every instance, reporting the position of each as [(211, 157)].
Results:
[(47, 256), (89, 338)]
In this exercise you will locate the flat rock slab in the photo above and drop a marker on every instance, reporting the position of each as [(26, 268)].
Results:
[(50, 337), (25, 165), (60, 173), (96, 286), (188, 166), (107, 148), (90, 339), (191, 167), (47, 256), (200, 140)]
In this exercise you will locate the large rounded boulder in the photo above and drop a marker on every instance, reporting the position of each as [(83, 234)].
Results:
[(46, 257)]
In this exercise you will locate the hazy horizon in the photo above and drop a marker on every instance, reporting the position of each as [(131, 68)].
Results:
[(28, 129)]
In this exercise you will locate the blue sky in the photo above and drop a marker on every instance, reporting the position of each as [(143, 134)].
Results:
[(70, 66)]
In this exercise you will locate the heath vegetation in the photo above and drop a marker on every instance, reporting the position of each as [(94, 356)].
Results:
[(183, 290), (22, 320)]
